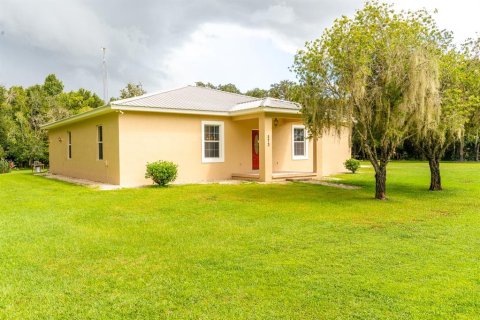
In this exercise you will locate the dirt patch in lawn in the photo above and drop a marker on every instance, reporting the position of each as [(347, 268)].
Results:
[(334, 185)]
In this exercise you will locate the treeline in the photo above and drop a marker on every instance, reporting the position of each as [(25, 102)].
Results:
[(24, 110), (285, 89)]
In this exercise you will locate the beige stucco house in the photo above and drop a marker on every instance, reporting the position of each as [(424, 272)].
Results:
[(211, 135)]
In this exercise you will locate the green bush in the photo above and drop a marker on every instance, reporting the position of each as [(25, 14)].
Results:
[(161, 172), (352, 165), (4, 166)]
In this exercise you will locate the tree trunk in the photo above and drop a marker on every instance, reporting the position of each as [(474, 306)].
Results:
[(381, 182), (435, 178), (477, 149), (460, 150)]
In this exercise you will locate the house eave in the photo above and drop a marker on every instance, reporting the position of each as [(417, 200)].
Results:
[(206, 112), (79, 117), (169, 110), (111, 108)]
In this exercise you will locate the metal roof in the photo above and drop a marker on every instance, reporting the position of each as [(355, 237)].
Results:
[(203, 99), (188, 100)]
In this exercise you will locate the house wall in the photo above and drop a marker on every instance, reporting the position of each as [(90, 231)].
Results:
[(335, 150), (84, 163), (282, 149), (132, 139), (148, 137)]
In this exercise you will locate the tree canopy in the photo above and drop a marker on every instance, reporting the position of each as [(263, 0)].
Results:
[(24, 110), (131, 90), (377, 71)]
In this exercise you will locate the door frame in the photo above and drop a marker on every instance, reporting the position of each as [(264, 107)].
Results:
[(251, 136)]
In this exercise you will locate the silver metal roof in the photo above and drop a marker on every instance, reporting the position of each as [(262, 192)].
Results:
[(188, 100), (203, 99)]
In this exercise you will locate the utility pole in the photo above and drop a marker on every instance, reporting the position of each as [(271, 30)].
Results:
[(105, 77)]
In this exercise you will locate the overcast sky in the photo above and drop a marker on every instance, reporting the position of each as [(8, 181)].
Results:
[(170, 43)]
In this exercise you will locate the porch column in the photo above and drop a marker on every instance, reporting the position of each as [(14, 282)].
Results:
[(265, 142), (317, 157)]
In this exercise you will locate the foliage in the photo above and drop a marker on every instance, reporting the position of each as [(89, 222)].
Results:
[(285, 90), (229, 87), (131, 90), (298, 251), (377, 71), (4, 166), (162, 172), (471, 82), (24, 110), (257, 92), (205, 85), (52, 85), (352, 165)]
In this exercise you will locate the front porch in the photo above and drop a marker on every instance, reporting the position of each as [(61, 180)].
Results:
[(276, 176), (272, 153)]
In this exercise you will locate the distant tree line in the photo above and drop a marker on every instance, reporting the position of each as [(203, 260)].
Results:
[(24, 110), (284, 90)]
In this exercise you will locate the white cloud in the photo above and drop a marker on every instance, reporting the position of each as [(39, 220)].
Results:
[(278, 13), (223, 53), (169, 42)]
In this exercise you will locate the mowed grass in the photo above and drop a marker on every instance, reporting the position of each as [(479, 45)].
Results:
[(249, 251)]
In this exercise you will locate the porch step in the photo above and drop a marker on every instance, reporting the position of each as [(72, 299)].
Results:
[(299, 179), (288, 176)]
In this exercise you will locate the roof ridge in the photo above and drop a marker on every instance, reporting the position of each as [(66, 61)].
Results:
[(257, 99), (146, 95), (227, 92)]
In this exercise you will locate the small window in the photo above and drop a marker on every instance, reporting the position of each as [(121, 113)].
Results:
[(100, 142), (69, 134), (212, 141), (299, 143)]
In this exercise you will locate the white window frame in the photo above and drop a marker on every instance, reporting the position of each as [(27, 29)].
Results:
[(304, 157), (69, 145), (221, 158), (100, 142)]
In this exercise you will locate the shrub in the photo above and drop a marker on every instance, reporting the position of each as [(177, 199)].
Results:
[(4, 166), (352, 165), (161, 172)]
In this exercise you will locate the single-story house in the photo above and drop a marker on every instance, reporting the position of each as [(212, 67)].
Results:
[(211, 135)]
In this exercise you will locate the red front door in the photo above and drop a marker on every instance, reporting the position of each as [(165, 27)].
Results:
[(255, 151)]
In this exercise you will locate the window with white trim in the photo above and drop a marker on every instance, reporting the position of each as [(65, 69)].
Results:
[(212, 141), (69, 134), (100, 142), (299, 142)]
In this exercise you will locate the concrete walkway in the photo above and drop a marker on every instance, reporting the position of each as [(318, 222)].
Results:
[(82, 182)]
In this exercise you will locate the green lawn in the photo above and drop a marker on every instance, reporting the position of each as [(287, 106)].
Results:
[(248, 251)]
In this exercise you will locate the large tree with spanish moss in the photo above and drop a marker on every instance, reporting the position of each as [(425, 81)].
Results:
[(377, 71)]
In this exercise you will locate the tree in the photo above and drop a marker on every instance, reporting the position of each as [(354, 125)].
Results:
[(132, 90), (471, 49), (285, 90), (229, 87), (205, 85), (377, 70), (435, 135), (257, 92), (24, 110), (79, 101), (52, 85)]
